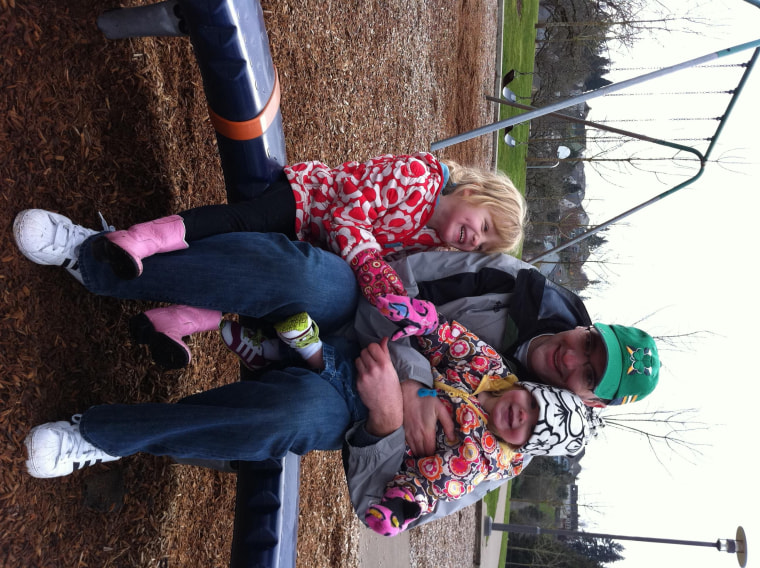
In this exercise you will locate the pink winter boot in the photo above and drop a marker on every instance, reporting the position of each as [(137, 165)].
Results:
[(162, 329), (124, 250)]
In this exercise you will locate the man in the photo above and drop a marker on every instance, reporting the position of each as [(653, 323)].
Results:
[(543, 328)]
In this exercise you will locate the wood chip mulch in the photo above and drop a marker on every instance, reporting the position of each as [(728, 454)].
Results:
[(121, 127)]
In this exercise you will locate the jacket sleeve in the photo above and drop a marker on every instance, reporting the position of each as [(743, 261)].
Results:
[(370, 468), (426, 491), (446, 508), (371, 326), (375, 276)]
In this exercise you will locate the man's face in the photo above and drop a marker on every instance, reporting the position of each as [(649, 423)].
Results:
[(573, 360)]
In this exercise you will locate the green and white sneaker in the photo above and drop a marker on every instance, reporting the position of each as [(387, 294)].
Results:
[(299, 332), (56, 449)]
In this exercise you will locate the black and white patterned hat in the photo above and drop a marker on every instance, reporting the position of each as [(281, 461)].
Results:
[(562, 428)]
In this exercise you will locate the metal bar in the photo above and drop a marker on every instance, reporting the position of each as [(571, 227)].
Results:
[(590, 95), (703, 161), (526, 529), (600, 126), (733, 100), (631, 211)]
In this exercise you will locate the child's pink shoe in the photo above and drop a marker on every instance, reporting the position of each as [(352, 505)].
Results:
[(125, 250), (394, 513), (162, 329)]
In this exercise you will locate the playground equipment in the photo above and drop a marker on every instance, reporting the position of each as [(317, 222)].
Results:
[(243, 93), (552, 110)]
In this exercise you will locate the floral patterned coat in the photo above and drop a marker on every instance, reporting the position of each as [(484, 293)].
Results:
[(463, 366)]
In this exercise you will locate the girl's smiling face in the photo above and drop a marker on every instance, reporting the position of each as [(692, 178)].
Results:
[(512, 416), (467, 227), (462, 225)]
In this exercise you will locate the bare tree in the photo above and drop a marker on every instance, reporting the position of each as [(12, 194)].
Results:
[(661, 429)]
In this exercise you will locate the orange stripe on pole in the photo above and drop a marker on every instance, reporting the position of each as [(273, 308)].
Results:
[(250, 129)]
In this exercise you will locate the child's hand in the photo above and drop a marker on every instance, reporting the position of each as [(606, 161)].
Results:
[(394, 513), (418, 317)]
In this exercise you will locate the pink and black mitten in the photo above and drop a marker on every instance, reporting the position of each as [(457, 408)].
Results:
[(417, 317), (394, 513)]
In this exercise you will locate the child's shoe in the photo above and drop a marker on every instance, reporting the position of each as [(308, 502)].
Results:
[(299, 332), (162, 329), (50, 239), (248, 344), (394, 513), (56, 449), (125, 250)]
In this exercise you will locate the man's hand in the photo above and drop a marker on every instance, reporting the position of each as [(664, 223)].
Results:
[(421, 414), (379, 389)]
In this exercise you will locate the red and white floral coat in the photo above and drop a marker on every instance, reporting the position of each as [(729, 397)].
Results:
[(382, 204), (463, 366)]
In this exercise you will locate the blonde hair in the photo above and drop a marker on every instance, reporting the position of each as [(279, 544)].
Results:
[(496, 192)]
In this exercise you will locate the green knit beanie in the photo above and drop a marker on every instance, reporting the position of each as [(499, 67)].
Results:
[(633, 364)]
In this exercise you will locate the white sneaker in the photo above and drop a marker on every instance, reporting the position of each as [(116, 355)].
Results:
[(50, 239), (56, 449)]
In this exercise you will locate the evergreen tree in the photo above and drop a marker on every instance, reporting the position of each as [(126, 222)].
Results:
[(603, 550)]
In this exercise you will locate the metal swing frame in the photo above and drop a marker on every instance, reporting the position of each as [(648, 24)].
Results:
[(606, 90)]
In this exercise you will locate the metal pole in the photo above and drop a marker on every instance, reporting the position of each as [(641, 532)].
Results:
[(599, 126), (737, 91), (736, 546), (590, 95), (526, 529), (620, 217)]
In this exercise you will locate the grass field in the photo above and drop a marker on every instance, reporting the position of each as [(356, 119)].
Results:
[(518, 51)]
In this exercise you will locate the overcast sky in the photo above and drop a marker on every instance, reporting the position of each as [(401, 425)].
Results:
[(689, 263)]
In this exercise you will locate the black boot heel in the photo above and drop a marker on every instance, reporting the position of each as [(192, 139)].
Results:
[(141, 329), (120, 261), (167, 352), (163, 349)]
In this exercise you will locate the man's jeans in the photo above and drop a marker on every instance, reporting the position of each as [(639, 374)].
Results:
[(294, 410), (260, 275)]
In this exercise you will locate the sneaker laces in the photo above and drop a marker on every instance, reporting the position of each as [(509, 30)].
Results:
[(68, 237), (76, 448), (255, 336), (308, 337), (106, 227)]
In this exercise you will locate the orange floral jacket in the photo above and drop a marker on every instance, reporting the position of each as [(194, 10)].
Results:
[(463, 366)]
